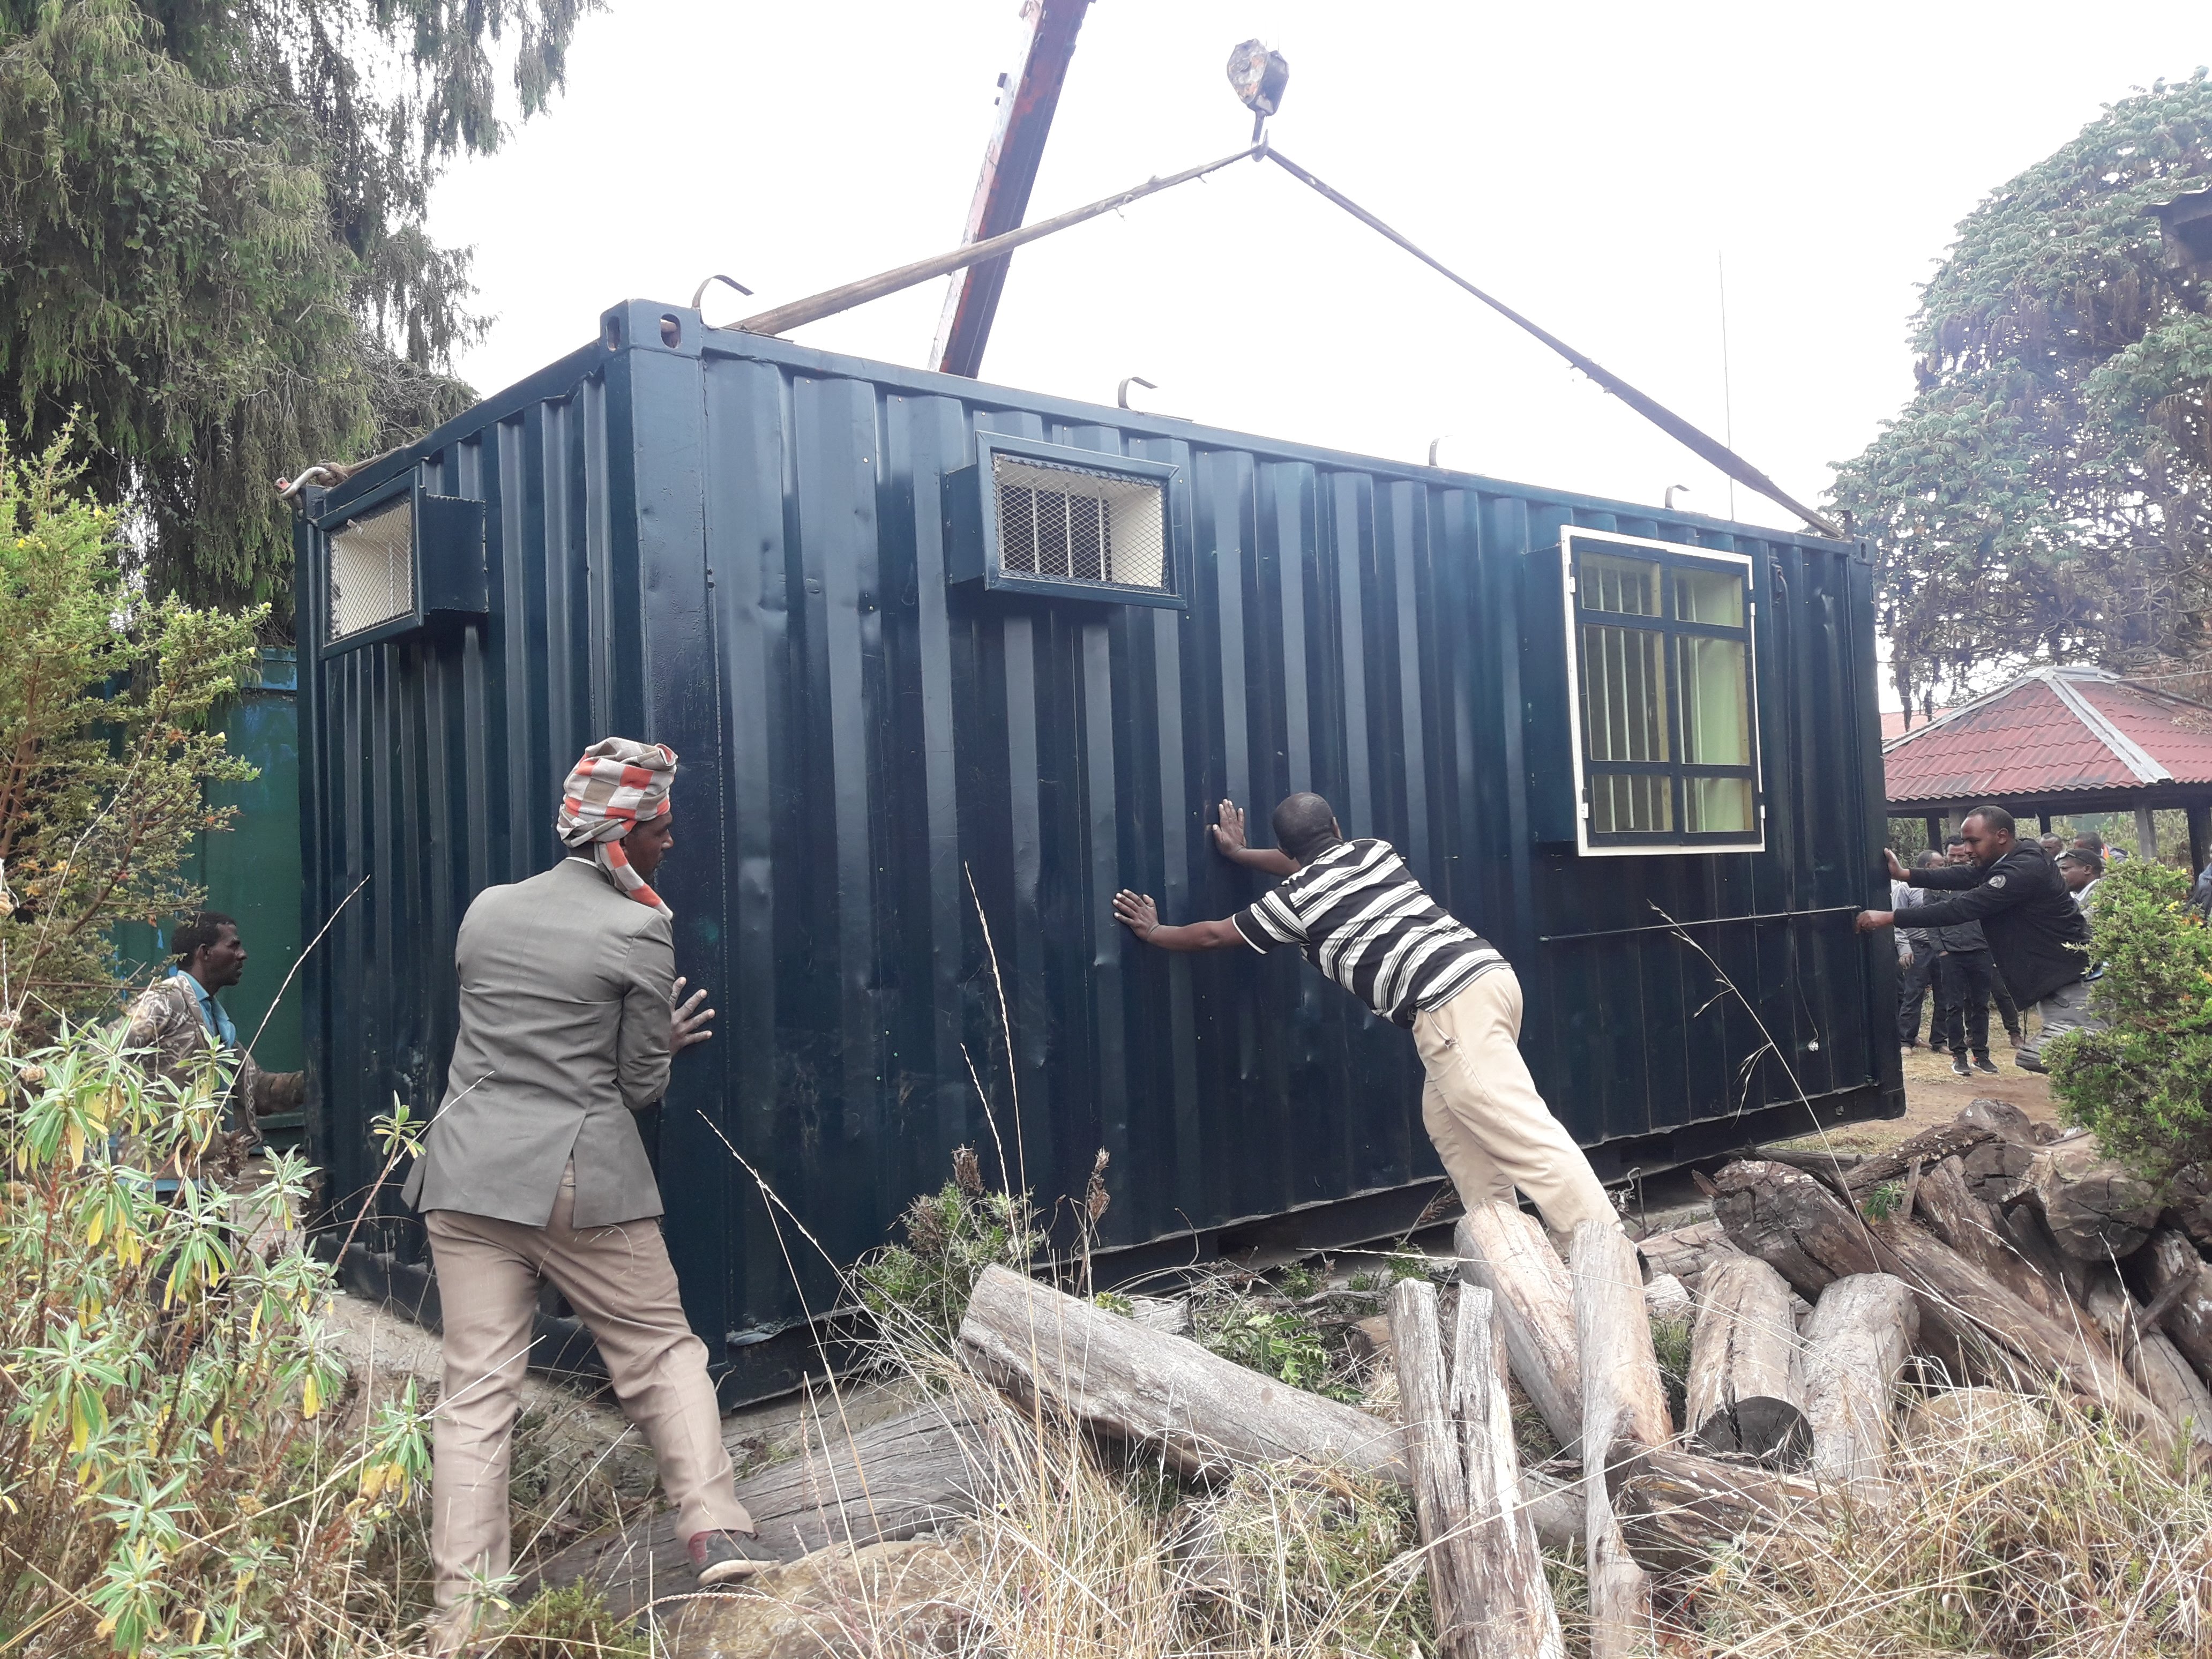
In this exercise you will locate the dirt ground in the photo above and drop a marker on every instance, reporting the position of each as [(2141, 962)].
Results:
[(1933, 1095)]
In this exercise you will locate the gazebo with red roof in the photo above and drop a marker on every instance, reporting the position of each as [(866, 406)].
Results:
[(2068, 740)]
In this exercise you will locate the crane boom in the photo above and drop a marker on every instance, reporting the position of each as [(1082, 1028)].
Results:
[(1026, 107)]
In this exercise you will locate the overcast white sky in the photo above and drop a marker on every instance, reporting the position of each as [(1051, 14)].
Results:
[(1590, 164)]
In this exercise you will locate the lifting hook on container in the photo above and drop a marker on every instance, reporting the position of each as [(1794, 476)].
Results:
[(700, 292), (1122, 392), (1671, 489)]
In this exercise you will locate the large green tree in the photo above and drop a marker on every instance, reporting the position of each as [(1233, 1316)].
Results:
[(2045, 495), (212, 244)]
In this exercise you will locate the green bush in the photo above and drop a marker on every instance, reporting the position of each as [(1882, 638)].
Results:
[(172, 1481), (922, 1286), (2143, 1084)]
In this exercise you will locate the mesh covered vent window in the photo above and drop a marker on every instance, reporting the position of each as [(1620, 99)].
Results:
[(1062, 523), (372, 569)]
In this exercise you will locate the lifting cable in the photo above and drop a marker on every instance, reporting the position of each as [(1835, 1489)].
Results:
[(1707, 447)]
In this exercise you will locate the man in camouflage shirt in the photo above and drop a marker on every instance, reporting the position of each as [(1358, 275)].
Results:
[(172, 1020)]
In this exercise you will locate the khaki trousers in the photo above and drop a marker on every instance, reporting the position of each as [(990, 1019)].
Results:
[(1490, 1126), (620, 1282)]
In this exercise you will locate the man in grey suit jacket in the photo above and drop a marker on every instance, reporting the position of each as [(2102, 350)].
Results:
[(533, 1170)]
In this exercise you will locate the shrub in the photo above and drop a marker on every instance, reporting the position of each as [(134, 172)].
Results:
[(175, 1481), (104, 746), (2144, 1083), (922, 1286)]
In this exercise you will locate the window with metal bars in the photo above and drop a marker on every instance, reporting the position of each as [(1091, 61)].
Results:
[(1660, 641)]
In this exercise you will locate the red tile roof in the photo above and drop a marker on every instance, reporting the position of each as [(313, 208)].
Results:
[(2050, 732)]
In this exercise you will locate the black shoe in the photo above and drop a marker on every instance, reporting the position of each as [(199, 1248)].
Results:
[(2029, 1063), (1958, 1065), (1984, 1063), (718, 1557)]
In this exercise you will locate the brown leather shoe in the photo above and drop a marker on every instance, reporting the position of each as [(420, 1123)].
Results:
[(718, 1557)]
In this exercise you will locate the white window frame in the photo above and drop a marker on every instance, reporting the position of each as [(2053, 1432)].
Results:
[(1678, 842)]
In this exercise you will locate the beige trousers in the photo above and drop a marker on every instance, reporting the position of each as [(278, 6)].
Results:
[(620, 1282), (1490, 1126)]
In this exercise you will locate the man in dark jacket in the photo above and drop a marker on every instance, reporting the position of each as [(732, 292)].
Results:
[(2038, 938)]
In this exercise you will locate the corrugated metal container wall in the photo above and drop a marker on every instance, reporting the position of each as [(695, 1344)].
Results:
[(738, 546)]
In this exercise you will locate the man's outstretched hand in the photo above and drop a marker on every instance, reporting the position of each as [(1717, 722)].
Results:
[(1229, 833), (690, 1025), (1873, 921), (1896, 869), (1229, 841), (1137, 912)]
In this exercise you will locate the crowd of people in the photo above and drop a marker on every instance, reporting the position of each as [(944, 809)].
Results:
[(2016, 934), (1993, 917)]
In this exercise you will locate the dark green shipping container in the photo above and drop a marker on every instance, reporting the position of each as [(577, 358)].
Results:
[(937, 655)]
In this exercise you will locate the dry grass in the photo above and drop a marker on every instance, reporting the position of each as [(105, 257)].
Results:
[(2023, 1527)]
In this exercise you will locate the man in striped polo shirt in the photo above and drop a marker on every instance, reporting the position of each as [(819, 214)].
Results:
[(1355, 912)]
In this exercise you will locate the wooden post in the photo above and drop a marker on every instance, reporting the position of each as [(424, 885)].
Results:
[(2146, 834), (1624, 1411), (1439, 1470), (1747, 1387), (1513, 1599), (1503, 1250), (2199, 835), (1856, 1342)]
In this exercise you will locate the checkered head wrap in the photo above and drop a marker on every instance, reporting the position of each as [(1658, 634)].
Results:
[(615, 787)]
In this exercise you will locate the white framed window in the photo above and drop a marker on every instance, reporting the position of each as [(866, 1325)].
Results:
[(1662, 666)]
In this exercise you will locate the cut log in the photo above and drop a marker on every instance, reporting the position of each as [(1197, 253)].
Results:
[(1835, 1166), (1952, 1288), (1512, 1612), (1952, 1139), (1746, 1389), (1950, 1210), (1433, 1454), (1504, 1251), (1202, 1413), (2188, 1196), (2169, 1271), (890, 1481), (1861, 1331), (2097, 1210), (2152, 1361), (1624, 1405), (1676, 1508), (2009, 1120), (1684, 1252), (1666, 1297), (1795, 1225)]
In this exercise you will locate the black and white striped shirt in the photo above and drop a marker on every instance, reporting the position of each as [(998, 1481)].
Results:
[(1357, 913)]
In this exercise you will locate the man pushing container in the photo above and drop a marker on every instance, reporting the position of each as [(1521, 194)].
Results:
[(1355, 912), (533, 1171)]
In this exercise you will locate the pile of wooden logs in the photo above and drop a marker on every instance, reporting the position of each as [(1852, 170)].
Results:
[(2031, 1259), (1991, 1249)]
